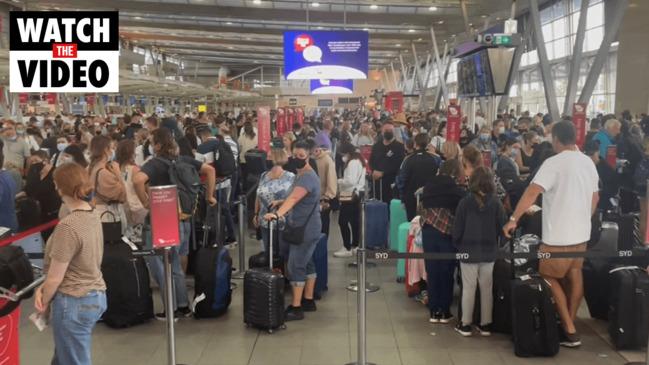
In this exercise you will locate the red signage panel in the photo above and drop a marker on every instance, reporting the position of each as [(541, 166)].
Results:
[(486, 159), (299, 117), (280, 123), (579, 119), (453, 123), (9, 348), (23, 98), (263, 128), (165, 223)]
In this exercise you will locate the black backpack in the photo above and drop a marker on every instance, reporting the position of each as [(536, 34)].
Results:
[(188, 183), (224, 161), (15, 274)]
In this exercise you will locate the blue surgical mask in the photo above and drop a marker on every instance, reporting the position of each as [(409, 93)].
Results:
[(61, 146), (484, 138)]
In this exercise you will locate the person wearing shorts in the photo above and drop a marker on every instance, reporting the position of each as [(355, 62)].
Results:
[(569, 184)]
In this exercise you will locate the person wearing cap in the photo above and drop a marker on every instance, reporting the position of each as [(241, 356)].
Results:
[(385, 161)]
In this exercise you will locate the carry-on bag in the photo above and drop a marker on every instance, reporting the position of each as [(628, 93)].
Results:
[(629, 309), (128, 291), (376, 222), (263, 295), (535, 327)]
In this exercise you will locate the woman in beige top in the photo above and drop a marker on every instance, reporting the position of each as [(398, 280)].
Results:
[(106, 180), (74, 290)]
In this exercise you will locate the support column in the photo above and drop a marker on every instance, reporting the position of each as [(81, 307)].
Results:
[(575, 61), (602, 54), (516, 62), (440, 68), (546, 70), (632, 75)]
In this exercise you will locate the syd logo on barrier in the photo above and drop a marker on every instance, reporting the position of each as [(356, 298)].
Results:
[(64, 51)]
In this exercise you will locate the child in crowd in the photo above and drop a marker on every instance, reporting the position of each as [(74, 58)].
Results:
[(478, 220)]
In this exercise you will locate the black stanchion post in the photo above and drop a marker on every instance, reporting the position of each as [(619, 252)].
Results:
[(243, 224), (353, 286), (361, 296), (169, 309)]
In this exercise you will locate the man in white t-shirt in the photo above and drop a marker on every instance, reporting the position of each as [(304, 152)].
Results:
[(569, 184)]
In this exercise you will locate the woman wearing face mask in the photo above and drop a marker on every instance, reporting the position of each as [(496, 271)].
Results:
[(352, 184), (530, 141), (39, 185), (105, 176), (74, 291), (73, 153), (438, 140), (485, 143), (303, 203), (61, 145)]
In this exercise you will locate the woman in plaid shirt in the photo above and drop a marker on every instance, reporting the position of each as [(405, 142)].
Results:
[(440, 199)]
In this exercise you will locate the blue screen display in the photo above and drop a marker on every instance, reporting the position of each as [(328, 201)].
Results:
[(321, 87), (325, 55)]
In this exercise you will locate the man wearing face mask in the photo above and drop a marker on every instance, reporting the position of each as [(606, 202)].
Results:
[(485, 143), (16, 151), (386, 158)]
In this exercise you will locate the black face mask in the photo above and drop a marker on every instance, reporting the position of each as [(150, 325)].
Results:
[(300, 163), (388, 136)]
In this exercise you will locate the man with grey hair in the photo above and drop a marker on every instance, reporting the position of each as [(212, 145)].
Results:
[(606, 137)]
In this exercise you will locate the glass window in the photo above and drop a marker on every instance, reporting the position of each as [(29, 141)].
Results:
[(595, 16), (560, 49), (576, 5), (574, 22), (559, 28), (547, 32), (546, 15), (549, 48), (559, 9), (593, 39)]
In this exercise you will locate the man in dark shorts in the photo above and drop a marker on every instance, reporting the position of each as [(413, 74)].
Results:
[(569, 184)]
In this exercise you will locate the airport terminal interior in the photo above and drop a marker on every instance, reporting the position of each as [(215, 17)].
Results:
[(271, 68)]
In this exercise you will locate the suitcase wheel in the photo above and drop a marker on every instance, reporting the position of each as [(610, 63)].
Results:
[(401, 280), (270, 331)]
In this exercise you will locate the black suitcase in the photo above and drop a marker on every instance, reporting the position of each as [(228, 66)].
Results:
[(595, 271), (502, 294), (128, 291), (535, 326), (28, 213), (263, 297), (629, 310)]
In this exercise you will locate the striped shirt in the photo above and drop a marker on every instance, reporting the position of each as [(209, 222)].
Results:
[(78, 240)]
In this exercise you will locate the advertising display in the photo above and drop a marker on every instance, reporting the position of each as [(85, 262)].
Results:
[(165, 223), (310, 55), (63, 51), (453, 123), (263, 128), (9, 349), (324, 87), (394, 102), (611, 156), (299, 116), (280, 122), (579, 119)]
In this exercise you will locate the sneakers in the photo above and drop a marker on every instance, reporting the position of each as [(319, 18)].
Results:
[(308, 305), (293, 313), (484, 330), (343, 252), (446, 318), (422, 297), (183, 312), (230, 242), (162, 316), (434, 317), (570, 340), (464, 330)]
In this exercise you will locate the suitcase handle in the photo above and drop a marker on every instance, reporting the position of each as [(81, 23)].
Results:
[(271, 223), (624, 268)]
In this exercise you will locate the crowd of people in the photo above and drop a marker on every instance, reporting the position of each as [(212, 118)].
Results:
[(90, 170)]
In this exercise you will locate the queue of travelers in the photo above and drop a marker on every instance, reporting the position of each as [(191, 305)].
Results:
[(86, 171)]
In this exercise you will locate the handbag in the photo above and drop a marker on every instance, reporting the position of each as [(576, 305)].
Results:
[(112, 230), (295, 235)]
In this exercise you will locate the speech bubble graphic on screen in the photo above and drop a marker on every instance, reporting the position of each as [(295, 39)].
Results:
[(312, 54)]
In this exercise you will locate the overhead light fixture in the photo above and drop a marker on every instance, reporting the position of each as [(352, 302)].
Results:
[(315, 4), (257, 2), (374, 6), (498, 18), (229, 23), (319, 27), (440, 22), (136, 18), (419, 39), (432, 8), (398, 45), (483, 16), (411, 30), (366, 29)]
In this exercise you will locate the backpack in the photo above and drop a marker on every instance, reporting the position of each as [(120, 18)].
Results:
[(188, 183), (15, 274), (224, 162)]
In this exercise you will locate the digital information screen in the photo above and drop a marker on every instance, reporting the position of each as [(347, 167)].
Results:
[(325, 87), (326, 55)]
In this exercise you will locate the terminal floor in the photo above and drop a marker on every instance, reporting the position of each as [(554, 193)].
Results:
[(398, 334)]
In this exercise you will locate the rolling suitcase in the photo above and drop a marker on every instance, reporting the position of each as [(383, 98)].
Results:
[(629, 310), (263, 296), (128, 291), (212, 277), (596, 272), (402, 246), (502, 294), (321, 261), (535, 327), (376, 223)]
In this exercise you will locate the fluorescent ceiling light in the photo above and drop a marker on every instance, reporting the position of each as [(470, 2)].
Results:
[(411, 30), (432, 8), (138, 18), (315, 4), (374, 6), (257, 2), (440, 22), (398, 45), (366, 29), (229, 23)]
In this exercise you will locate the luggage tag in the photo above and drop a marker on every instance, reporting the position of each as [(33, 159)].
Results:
[(197, 300), (129, 243)]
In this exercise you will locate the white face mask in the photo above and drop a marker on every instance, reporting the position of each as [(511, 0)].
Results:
[(345, 159), (151, 152), (501, 130)]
